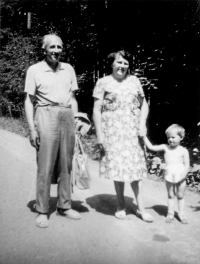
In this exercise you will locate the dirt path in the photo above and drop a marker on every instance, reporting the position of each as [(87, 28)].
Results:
[(98, 237)]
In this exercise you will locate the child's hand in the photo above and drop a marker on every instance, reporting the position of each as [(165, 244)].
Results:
[(183, 178), (181, 181)]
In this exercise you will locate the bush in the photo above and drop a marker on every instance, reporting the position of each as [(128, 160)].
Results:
[(156, 168), (18, 126), (15, 58)]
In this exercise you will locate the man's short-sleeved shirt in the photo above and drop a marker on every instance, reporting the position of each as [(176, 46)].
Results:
[(49, 86)]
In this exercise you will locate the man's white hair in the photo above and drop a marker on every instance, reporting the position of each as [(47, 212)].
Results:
[(47, 38)]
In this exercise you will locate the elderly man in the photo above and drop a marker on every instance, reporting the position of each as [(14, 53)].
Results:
[(50, 87)]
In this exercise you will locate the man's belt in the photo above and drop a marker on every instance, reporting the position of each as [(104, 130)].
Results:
[(56, 105)]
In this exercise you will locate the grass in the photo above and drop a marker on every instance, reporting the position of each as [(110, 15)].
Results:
[(20, 127), (17, 126)]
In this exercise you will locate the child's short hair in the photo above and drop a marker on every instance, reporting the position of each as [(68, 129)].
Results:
[(179, 129)]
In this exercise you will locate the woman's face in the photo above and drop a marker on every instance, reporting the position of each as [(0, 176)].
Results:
[(120, 67)]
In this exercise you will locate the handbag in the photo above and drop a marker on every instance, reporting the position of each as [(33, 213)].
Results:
[(80, 166), (80, 175)]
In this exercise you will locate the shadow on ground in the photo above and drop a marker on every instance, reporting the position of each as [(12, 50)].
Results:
[(195, 208), (76, 205), (107, 204), (160, 209)]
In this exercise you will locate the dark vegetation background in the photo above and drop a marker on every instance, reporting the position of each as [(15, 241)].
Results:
[(163, 36)]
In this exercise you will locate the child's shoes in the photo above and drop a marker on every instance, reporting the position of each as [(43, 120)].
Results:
[(182, 219), (169, 218)]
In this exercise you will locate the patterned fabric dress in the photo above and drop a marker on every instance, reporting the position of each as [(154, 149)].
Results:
[(124, 160)]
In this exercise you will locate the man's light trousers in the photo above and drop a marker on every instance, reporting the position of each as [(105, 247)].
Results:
[(56, 129)]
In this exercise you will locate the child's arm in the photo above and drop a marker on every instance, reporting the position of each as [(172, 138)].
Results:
[(153, 148), (186, 161)]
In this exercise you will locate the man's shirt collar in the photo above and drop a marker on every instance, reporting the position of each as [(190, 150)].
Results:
[(46, 67)]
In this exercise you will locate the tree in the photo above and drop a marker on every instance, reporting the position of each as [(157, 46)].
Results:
[(72, 20)]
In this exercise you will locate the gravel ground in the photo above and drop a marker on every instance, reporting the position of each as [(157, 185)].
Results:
[(98, 237)]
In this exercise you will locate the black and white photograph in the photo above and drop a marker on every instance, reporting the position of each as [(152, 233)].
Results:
[(99, 131)]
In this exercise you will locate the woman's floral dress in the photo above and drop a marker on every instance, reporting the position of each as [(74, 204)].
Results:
[(124, 160)]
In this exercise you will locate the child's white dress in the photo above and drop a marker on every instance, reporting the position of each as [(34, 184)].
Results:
[(174, 172)]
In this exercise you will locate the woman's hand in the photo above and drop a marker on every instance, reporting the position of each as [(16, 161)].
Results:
[(101, 150)]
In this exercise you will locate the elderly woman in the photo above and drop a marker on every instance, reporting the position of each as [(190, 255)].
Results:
[(120, 113)]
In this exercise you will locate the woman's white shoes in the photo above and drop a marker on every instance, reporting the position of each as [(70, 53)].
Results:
[(144, 216), (120, 214)]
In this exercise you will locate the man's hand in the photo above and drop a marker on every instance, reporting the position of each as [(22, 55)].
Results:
[(34, 139)]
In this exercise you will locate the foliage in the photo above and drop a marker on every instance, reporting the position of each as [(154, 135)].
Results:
[(82, 25), (14, 60), (156, 168), (147, 67), (155, 162), (21, 47), (18, 126), (166, 60)]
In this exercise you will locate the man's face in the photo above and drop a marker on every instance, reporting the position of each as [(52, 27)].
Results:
[(53, 49)]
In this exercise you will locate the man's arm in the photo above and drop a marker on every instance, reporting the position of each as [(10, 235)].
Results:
[(29, 111), (74, 103)]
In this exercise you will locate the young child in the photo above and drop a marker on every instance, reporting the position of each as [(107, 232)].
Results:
[(177, 165)]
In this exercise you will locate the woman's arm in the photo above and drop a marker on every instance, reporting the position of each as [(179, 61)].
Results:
[(143, 117), (152, 147), (97, 119)]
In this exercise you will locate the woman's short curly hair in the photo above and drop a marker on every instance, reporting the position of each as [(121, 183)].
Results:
[(175, 127), (125, 54)]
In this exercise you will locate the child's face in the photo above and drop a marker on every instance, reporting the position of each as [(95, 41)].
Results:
[(173, 138)]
